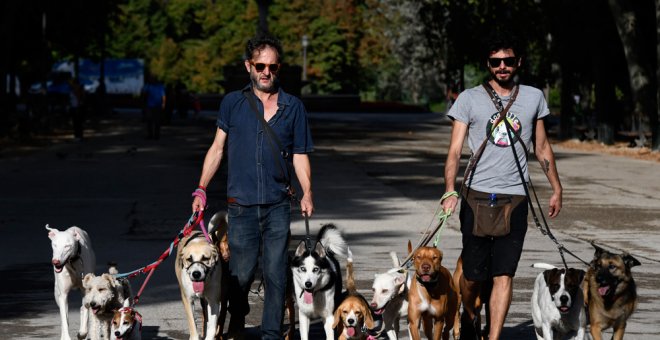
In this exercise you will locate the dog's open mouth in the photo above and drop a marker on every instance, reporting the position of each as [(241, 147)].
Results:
[(426, 277), (96, 309), (350, 331), (198, 286), (379, 311), (308, 297), (564, 309), (603, 290), (58, 269)]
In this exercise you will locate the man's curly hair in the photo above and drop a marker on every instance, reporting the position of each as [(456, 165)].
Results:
[(259, 42), (501, 40)]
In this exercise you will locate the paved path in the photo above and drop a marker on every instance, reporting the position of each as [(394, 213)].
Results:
[(378, 177)]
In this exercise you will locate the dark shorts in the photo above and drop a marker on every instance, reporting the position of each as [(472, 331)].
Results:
[(485, 257)]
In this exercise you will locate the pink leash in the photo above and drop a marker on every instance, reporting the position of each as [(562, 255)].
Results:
[(199, 192)]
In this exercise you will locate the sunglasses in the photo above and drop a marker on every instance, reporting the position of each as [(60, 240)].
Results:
[(260, 67), (508, 62)]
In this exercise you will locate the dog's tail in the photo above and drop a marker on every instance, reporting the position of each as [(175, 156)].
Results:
[(332, 240), (350, 279), (542, 265), (395, 259), (112, 268)]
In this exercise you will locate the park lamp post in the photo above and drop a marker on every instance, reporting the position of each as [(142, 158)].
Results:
[(305, 43)]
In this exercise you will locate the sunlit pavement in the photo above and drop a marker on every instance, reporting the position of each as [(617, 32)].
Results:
[(377, 176)]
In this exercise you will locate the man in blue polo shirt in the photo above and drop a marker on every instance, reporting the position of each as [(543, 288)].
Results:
[(259, 207)]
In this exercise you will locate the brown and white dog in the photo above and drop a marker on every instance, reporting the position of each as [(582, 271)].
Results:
[(353, 316), (201, 273), (433, 296), (126, 323), (610, 292), (558, 303)]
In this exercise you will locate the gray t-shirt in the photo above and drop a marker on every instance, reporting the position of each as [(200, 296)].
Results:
[(496, 170)]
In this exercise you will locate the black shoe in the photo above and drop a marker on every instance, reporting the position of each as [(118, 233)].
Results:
[(470, 329)]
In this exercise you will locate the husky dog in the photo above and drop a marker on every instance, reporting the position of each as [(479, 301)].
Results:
[(103, 295), (317, 279), (72, 258)]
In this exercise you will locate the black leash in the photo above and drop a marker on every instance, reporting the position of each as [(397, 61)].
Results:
[(544, 229), (308, 238)]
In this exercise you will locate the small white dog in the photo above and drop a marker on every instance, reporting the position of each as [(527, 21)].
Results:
[(103, 295), (72, 258), (390, 299), (126, 323), (558, 303), (317, 279)]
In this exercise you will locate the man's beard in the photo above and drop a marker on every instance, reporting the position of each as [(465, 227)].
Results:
[(270, 88), (503, 82)]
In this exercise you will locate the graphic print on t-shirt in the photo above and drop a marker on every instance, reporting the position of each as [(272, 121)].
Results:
[(498, 135)]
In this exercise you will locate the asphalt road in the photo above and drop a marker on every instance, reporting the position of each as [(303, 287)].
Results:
[(377, 176)]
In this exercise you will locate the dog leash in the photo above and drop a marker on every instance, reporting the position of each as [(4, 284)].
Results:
[(497, 101), (442, 216), (201, 193), (545, 228), (196, 218)]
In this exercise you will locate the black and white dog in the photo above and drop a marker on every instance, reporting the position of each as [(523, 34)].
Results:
[(558, 303), (317, 279)]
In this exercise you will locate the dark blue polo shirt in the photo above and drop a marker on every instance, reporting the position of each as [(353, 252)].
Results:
[(254, 176)]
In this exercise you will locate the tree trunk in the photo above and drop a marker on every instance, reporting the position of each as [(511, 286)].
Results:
[(262, 25), (655, 126), (631, 26)]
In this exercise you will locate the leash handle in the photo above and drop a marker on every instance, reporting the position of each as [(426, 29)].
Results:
[(308, 239)]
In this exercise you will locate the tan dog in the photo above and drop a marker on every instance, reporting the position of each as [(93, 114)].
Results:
[(200, 273), (433, 296), (480, 301), (610, 292), (353, 316)]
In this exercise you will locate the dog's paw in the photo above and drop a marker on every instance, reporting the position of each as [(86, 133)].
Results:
[(82, 336)]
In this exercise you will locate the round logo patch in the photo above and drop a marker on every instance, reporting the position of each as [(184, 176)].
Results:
[(498, 135)]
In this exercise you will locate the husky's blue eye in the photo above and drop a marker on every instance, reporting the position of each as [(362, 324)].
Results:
[(302, 269), (315, 270)]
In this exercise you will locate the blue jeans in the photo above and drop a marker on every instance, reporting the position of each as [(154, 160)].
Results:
[(250, 229)]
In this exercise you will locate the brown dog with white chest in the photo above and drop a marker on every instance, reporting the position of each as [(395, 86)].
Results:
[(610, 292), (433, 297)]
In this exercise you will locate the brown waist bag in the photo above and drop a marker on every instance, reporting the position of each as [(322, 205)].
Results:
[(491, 219)]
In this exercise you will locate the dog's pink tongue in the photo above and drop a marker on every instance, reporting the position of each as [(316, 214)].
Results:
[(198, 287), (350, 331), (308, 297), (603, 290), (426, 278)]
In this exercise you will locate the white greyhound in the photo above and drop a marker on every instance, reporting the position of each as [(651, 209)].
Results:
[(73, 257)]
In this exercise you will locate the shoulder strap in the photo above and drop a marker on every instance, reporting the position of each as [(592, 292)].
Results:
[(272, 138), (469, 171)]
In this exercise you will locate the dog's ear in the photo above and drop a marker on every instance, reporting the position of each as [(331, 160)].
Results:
[(51, 231), (338, 324), (629, 260), (548, 274), (76, 235), (368, 318), (86, 279), (319, 249), (302, 247), (599, 251), (409, 247), (127, 303)]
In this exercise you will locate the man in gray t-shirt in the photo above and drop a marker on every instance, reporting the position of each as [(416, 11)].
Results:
[(496, 172)]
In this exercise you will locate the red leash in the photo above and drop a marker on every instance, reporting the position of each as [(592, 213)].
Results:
[(197, 218)]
